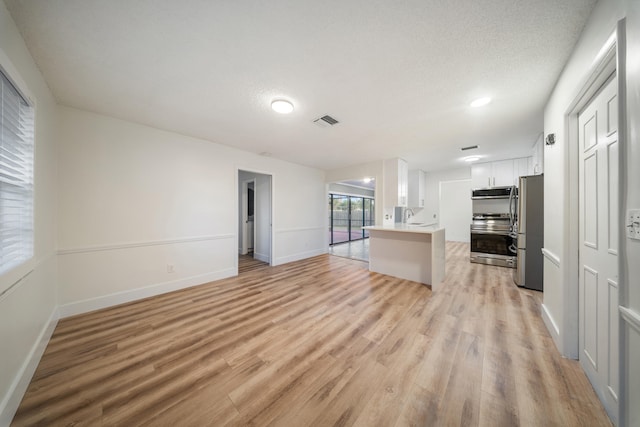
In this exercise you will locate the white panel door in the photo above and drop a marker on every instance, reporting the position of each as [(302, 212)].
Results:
[(455, 209), (598, 147)]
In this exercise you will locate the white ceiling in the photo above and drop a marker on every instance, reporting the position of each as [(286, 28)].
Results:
[(398, 75)]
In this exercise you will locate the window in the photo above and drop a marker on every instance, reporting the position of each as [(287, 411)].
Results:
[(16, 176)]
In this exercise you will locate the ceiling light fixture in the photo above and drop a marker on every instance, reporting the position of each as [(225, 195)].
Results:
[(281, 106), (480, 102), (471, 159)]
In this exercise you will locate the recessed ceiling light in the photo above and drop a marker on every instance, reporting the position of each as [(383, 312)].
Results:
[(481, 102), (471, 159), (282, 106)]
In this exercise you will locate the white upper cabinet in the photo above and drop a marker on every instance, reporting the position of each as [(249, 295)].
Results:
[(481, 174), (522, 167), (537, 161), (416, 188), (501, 173), (396, 182)]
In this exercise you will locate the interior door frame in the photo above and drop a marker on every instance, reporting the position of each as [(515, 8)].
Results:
[(272, 218), (610, 58), (601, 70)]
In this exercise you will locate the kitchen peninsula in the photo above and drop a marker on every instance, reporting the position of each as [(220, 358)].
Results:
[(413, 252)]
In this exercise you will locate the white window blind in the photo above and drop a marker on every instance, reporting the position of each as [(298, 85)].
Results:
[(16, 177)]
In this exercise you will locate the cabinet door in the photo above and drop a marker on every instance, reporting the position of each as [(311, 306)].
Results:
[(396, 182), (522, 168), (503, 173), (391, 183), (416, 189), (421, 188), (403, 183), (481, 175)]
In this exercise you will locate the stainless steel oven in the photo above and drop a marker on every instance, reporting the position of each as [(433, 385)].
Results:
[(492, 240)]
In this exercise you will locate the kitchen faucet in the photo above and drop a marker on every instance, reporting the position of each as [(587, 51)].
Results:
[(408, 214)]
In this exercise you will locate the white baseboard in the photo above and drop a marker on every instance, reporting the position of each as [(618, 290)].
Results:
[(11, 402), (79, 307), (261, 257), (300, 255), (552, 327)]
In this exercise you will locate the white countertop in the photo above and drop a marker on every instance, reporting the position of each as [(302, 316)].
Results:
[(407, 228)]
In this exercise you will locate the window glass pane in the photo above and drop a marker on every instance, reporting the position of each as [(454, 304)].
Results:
[(16, 177), (340, 211)]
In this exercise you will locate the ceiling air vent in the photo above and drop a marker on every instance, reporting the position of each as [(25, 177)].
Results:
[(471, 147), (326, 121)]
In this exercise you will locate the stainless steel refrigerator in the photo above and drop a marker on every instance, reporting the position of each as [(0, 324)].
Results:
[(529, 229)]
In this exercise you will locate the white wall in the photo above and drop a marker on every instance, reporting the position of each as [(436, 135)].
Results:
[(28, 308), (135, 199), (431, 211), (459, 178), (560, 296)]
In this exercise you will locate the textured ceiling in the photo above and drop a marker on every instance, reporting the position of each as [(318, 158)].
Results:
[(398, 75)]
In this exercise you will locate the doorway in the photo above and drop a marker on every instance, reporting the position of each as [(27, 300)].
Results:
[(255, 234), (351, 206), (347, 216)]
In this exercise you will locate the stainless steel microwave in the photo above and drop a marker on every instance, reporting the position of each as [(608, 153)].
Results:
[(494, 193)]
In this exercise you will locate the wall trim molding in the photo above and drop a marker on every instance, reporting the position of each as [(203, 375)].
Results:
[(140, 244), (105, 301), (631, 317), (293, 230), (551, 325), (300, 255), (261, 257), (555, 259), (32, 267), (9, 405)]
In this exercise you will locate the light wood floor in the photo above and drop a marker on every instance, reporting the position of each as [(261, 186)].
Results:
[(247, 263), (317, 342)]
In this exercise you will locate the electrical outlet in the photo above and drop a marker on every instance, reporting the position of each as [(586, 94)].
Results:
[(632, 224), (170, 268)]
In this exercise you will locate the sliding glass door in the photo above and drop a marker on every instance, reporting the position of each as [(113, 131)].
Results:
[(339, 224), (347, 216)]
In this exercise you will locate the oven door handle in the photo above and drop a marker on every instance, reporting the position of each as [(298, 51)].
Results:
[(500, 233), (489, 197)]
